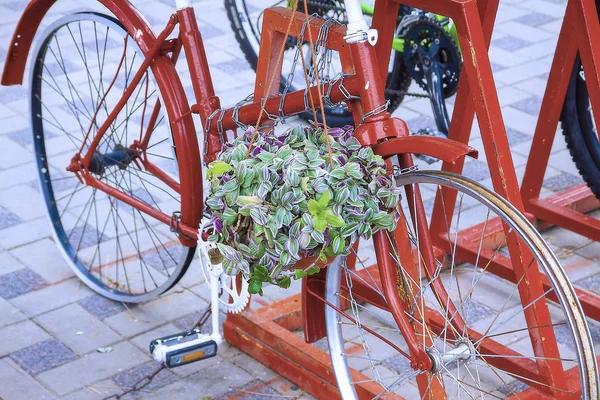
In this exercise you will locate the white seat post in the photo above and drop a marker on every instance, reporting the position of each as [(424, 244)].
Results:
[(358, 30)]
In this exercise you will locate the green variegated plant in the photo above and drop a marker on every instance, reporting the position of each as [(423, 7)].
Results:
[(289, 197)]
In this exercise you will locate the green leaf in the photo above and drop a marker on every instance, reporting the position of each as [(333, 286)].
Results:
[(333, 219), (300, 273), (304, 240), (279, 217), (284, 259), (284, 282), (246, 200), (318, 236), (338, 173), (313, 270), (320, 224), (217, 168), (342, 195), (325, 198), (261, 270), (314, 207), (303, 183), (307, 220), (229, 215), (255, 287), (266, 156), (230, 186), (338, 245)]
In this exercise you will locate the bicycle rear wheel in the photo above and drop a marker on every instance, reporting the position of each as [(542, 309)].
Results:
[(579, 128), (492, 356), (117, 250)]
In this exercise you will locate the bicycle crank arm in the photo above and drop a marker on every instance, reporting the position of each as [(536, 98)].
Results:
[(183, 348)]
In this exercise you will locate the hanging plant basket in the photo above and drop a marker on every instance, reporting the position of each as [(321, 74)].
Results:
[(277, 200)]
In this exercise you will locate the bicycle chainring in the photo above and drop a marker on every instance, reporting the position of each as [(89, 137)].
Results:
[(233, 293), (427, 42)]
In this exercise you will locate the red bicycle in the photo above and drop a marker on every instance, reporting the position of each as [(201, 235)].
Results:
[(121, 173)]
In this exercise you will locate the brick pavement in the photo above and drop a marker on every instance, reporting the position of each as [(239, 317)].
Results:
[(51, 324)]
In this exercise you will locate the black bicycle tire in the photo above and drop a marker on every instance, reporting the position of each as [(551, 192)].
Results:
[(577, 123)]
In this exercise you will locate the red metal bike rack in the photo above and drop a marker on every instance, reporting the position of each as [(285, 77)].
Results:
[(566, 209), (266, 334)]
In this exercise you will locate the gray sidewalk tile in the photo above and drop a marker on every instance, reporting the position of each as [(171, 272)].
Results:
[(51, 297), (562, 182), (27, 232), (22, 334), (76, 328), (92, 368), (13, 154), (139, 375), (43, 356), (8, 219), (22, 386), (9, 314), (535, 19), (19, 282), (8, 263), (154, 313), (211, 382), (44, 258), (530, 105), (510, 43), (101, 307)]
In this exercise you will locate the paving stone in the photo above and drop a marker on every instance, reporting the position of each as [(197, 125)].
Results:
[(44, 258), (414, 125), (24, 202), (22, 334), (91, 368), (515, 137), (535, 19), (24, 233), (8, 263), (95, 391), (513, 388), (476, 170), (85, 236), (255, 390), (8, 219), (211, 382), (140, 375), (101, 307), (9, 314), (24, 173), (19, 282), (399, 364), (51, 297), (510, 43), (43, 356), (154, 313), (76, 328), (562, 181), (22, 386), (530, 105), (13, 154)]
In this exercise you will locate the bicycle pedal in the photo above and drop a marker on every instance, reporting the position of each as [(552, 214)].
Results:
[(183, 348)]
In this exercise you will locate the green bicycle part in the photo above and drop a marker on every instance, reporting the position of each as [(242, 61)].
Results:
[(398, 43)]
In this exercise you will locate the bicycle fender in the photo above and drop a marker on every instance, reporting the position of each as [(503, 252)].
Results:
[(442, 148), (18, 51)]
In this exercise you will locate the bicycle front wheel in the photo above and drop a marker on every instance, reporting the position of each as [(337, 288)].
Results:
[(476, 328), (81, 69)]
